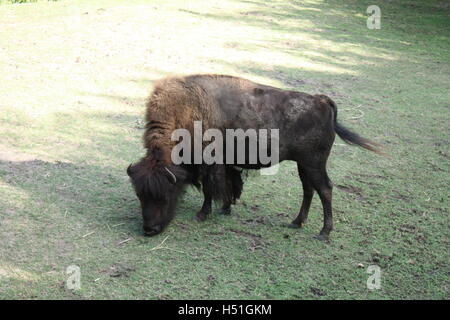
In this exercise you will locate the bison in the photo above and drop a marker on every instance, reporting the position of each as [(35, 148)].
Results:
[(306, 123)]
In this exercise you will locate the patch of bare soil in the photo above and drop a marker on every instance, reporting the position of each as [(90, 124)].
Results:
[(351, 189), (408, 228), (256, 241), (246, 234), (369, 176), (254, 221), (256, 244), (399, 196), (317, 292), (119, 270)]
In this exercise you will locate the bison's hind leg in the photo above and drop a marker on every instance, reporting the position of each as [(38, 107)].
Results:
[(308, 193), (324, 188), (315, 178)]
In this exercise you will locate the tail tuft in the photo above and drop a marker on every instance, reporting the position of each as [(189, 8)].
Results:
[(355, 139), (347, 135)]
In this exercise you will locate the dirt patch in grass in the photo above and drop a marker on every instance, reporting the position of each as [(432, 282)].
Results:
[(119, 270), (246, 234), (255, 221), (352, 190), (400, 196)]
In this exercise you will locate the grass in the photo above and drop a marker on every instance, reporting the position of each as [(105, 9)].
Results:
[(74, 77)]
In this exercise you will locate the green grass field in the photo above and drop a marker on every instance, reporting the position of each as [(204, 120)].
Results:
[(74, 76)]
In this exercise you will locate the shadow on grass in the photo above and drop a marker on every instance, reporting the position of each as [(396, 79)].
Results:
[(334, 20), (336, 37), (82, 192)]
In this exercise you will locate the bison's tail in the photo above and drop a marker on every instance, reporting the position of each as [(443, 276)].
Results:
[(349, 136), (355, 139)]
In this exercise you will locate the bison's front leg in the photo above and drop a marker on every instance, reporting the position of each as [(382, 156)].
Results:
[(207, 201), (226, 209), (316, 179), (233, 185)]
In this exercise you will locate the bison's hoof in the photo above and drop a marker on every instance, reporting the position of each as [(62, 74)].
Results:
[(200, 217), (294, 225), (322, 237)]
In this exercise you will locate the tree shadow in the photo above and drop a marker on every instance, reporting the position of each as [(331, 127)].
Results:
[(333, 20), (81, 192), (90, 194)]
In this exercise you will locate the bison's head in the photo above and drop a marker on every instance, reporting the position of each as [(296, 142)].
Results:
[(158, 189)]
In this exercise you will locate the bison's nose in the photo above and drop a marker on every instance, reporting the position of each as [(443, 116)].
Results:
[(153, 230)]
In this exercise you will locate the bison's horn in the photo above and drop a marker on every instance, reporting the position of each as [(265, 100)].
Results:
[(172, 175)]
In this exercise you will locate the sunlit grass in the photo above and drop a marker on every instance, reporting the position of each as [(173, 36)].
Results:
[(74, 78)]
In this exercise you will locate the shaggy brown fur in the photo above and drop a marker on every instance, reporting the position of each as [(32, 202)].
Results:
[(307, 125)]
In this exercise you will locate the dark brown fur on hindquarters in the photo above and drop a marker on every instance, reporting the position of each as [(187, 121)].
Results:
[(307, 127)]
